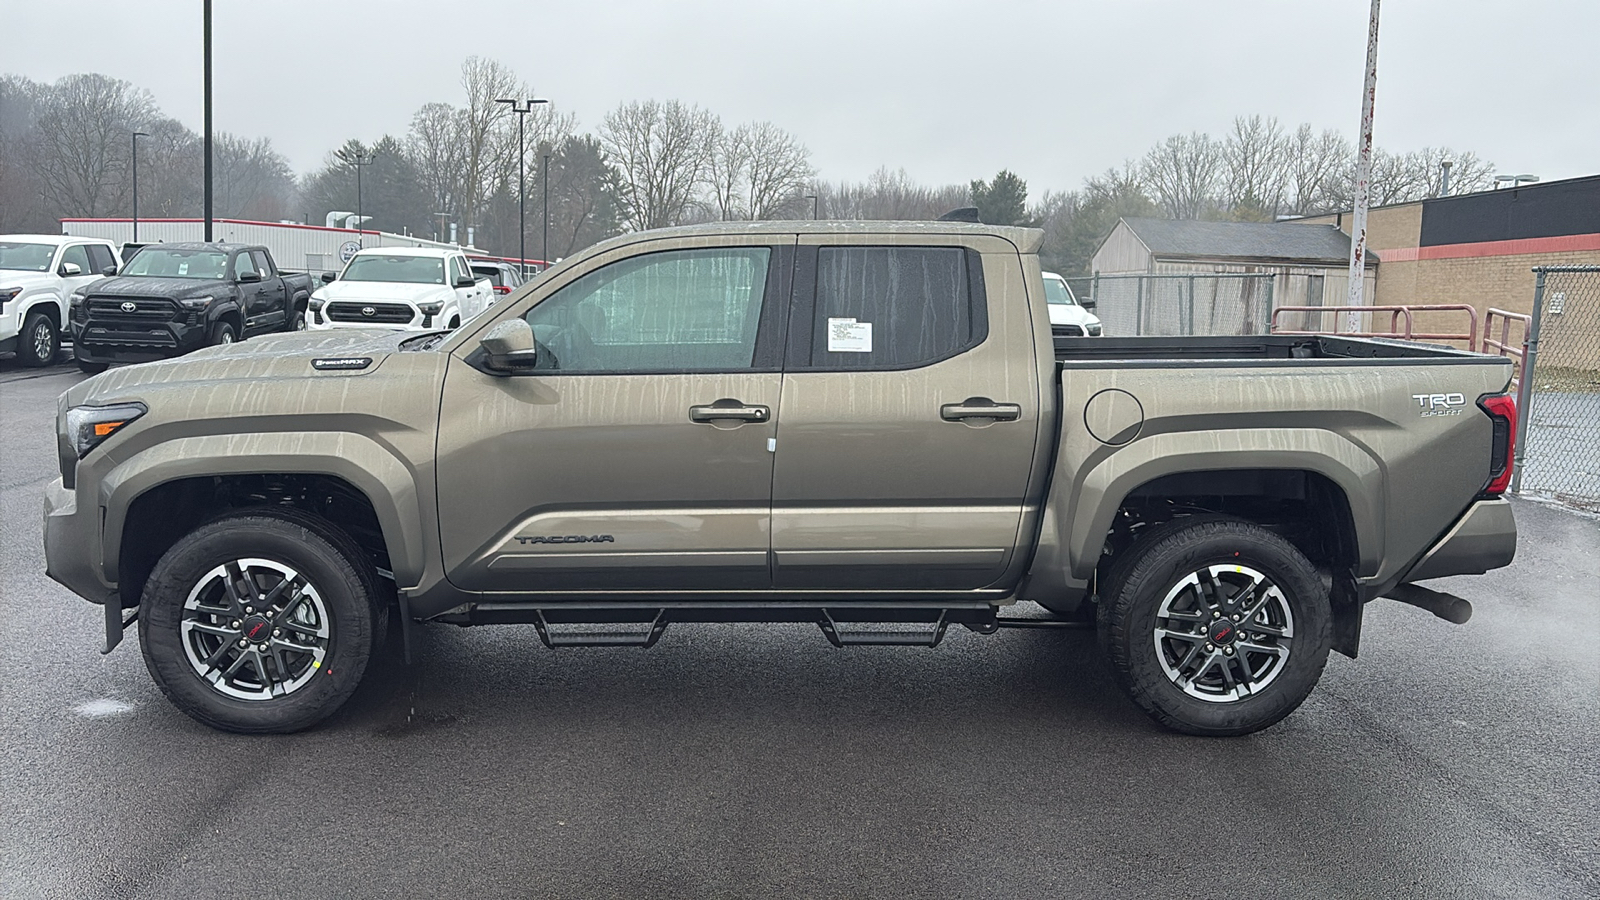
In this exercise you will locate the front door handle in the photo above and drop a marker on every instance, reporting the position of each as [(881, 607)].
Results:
[(728, 410), (980, 408)]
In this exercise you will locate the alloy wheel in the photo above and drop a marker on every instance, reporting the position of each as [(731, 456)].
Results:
[(1222, 633), (255, 629)]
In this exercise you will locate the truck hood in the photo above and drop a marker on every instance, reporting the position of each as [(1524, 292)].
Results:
[(15, 278), (1065, 314), (383, 291), (274, 357), (169, 288)]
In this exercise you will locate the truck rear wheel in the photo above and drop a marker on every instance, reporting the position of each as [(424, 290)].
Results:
[(1215, 626), (261, 622)]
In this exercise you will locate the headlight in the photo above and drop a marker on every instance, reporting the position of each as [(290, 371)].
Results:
[(87, 426), (195, 302), (432, 308), (8, 294), (316, 303)]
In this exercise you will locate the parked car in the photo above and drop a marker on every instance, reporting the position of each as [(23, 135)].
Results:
[(173, 298), (38, 273), (1068, 317), (411, 288), (605, 449), (503, 276)]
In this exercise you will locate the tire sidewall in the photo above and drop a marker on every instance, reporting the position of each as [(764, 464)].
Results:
[(219, 329), (343, 591), (1130, 626), (25, 341)]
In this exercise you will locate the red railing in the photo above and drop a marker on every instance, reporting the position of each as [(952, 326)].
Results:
[(1503, 345), (1397, 315)]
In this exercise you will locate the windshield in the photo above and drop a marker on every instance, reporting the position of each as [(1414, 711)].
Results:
[(406, 269), (26, 257), (165, 263), (1056, 292)]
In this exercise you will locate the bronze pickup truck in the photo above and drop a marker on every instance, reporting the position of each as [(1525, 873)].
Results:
[(866, 426)]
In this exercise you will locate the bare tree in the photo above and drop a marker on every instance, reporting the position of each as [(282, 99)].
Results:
[(728, 170), (82, 144), (661, 151), (1183, 172), (481, 132), (171, 171), (1254, 156), (22, 205), (888, 195), (431, 144), (1468, 173), (780, 167), (253, 181), (1312, 161)]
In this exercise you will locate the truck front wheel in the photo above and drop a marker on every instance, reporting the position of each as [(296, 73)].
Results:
[(39, 341), (1215, 626), (260, 622)]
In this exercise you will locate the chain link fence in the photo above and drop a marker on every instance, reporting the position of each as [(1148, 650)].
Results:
[(1558, 448), (1219, 303)]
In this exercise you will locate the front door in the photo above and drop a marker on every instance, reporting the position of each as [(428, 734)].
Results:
[(637, 457), (910, 419)]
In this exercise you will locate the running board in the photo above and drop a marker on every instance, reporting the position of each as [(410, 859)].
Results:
[(871, 637), (555, 636)]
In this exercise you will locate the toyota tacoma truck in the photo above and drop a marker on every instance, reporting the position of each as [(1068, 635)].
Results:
[(410, 288), (174, 298), (38, 272), (865, 426)]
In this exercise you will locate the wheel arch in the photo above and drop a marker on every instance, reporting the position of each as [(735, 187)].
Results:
[(186, 478), (49, 304)]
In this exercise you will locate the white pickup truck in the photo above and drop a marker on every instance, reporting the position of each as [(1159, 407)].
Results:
[(38, 272), (406, 288)]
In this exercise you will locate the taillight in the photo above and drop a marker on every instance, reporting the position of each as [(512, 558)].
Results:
[(501, 289), (1502, 411)]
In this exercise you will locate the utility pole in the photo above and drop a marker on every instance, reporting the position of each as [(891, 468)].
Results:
[(1358, 222), (207, 42), (136, 136), (813, 199), (522, 108)]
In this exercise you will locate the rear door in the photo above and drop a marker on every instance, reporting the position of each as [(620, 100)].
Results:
[(274, 297), (637, 457), (910, 418)]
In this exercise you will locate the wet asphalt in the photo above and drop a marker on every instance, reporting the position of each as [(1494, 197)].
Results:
[(758, 761)]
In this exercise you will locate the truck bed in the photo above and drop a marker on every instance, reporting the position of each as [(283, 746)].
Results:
[(1264, 347)]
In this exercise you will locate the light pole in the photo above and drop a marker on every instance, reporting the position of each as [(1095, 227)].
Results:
[(358, 158), (544, 236), (522, 108), (206, 16), (813, 199), (136, 136)]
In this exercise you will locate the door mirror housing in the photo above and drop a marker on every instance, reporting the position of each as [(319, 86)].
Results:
[(250, 277), (466, 281), (68, 270), (328, 277), (1087, 304), (509, 347), (109, 271)]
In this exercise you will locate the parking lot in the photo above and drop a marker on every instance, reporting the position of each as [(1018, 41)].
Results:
[(758, 761)]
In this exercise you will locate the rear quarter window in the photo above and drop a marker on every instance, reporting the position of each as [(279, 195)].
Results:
[(895, 307)]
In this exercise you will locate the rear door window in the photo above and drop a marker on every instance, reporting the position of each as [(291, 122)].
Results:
[(893, 307), (100, 259)]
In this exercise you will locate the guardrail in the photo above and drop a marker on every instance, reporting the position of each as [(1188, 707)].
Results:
[(1396, 315)]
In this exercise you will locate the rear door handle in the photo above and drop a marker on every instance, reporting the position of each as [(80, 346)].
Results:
[(980, 408), (725, 410)]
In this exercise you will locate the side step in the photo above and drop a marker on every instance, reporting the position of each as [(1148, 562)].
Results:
[(556, 636), (870, 637)]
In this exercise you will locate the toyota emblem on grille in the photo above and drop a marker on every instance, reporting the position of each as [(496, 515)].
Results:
[(129, 306), (368, 311)]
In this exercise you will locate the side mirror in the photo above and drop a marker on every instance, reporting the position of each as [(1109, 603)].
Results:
[(1087, 304), (328, 277), (250, 277), (109, 271), (466, 281), (510, 346), (68, 270)]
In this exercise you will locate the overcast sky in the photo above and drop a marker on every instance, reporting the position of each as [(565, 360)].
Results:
[(950, 91)]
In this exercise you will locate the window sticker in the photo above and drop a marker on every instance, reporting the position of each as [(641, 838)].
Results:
[(183, 269), (849, 336)]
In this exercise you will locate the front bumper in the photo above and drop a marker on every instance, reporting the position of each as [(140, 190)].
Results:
[(1483, 539), (72, 546)]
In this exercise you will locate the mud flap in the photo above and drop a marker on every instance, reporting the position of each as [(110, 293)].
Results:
[(1346, 605), (115, 624)]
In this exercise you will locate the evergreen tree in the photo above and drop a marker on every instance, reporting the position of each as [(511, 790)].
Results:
[(1003, 201)]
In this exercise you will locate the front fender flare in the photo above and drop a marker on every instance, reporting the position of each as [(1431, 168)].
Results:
[(371, 468)]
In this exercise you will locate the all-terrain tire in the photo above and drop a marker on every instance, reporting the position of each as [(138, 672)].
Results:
[(38, 342), (261, 545), (1225, 554), (222, 333)]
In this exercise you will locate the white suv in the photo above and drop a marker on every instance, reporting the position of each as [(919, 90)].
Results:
[(38, 273), (412, 288)]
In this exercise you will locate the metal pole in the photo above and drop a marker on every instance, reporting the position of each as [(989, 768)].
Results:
[(136, 136), (1190, 332), (1358, 222), (207, 42), (1444, 178), (544, 251), (522, 198), (361, 234), (1525, 392)]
